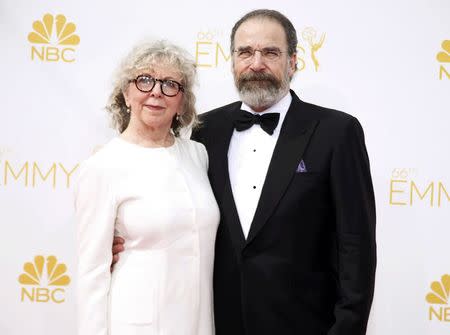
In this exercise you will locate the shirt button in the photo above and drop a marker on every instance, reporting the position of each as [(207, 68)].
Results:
[(254, 187)]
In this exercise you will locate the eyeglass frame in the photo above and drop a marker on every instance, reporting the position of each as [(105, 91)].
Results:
[(263, 51), (161, 83)]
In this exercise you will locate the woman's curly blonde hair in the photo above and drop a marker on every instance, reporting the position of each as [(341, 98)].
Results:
[(144, 57)]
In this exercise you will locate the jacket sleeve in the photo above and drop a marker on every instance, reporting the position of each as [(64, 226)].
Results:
[(198, 132), (95, 211), (354, 204)]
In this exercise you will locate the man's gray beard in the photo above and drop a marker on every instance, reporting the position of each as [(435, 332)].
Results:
[(261, 90)]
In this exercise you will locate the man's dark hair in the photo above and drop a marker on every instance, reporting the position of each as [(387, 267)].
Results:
[(288, 27)]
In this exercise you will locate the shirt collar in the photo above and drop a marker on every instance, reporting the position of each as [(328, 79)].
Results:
[(281, 107)]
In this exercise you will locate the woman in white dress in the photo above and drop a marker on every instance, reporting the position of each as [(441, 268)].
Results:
[(150, 187)]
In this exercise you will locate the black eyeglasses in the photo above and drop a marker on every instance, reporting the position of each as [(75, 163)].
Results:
[(146, 83)]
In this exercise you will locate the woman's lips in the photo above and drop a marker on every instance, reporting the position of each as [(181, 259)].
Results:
[(157, 107)]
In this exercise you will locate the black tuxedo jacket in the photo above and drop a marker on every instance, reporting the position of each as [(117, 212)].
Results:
[(308, 264)]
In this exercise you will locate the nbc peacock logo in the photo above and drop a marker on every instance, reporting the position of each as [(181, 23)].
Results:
[(53, 39), (443, 57), (44, 280), (439, 299)]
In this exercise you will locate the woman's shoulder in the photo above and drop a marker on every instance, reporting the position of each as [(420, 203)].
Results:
[(195, 149), (191, 145), (103, 157)]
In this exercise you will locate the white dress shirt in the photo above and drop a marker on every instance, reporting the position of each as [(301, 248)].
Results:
[(249, 156)]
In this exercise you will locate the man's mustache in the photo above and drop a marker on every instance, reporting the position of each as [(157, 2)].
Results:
[(258, 76)]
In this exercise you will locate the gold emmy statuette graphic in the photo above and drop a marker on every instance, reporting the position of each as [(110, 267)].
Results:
[(48, 275), (309, 34)]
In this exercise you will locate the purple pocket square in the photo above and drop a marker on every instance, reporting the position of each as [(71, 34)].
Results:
[(301, 167)]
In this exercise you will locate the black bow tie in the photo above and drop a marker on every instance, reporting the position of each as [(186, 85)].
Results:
[(243, 120)]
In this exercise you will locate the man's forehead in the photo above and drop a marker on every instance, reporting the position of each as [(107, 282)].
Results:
[(260, 32)]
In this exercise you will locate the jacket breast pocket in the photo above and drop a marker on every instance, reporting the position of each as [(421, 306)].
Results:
[(308, 181), (308, 175)]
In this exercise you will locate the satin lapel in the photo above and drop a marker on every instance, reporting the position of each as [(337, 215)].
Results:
[(230, 217), (291, 144), (220, 179)]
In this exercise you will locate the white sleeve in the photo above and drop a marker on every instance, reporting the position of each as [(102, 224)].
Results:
[(203, 155), (95, 210)]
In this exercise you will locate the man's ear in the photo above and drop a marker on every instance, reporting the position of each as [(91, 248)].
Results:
[(292, 64)]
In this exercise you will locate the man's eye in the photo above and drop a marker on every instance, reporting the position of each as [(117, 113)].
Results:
[(271, 54), (245, 53)]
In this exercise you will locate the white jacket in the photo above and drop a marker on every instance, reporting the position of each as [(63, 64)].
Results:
[(160, 201)]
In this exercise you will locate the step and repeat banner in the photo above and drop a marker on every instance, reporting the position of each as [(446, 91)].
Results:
[(385, 62)]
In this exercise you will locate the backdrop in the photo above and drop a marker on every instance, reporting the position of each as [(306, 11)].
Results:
[(385, 62)]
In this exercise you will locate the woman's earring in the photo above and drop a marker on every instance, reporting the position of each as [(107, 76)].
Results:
[(128, 110), (177, 117)]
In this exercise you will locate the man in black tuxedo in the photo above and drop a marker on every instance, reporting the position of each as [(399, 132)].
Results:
[(295, 248)]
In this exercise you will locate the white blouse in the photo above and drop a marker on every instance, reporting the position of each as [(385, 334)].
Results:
[(160, 201)]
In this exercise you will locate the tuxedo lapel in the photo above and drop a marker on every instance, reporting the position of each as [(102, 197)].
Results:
[(292, 142), (231, 217), (220, 177)]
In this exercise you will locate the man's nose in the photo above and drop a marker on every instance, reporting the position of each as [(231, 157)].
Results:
[(257, 61)]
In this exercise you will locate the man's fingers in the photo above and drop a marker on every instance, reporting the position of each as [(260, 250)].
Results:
[(118, 240), (115, 259), (117, 248)]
